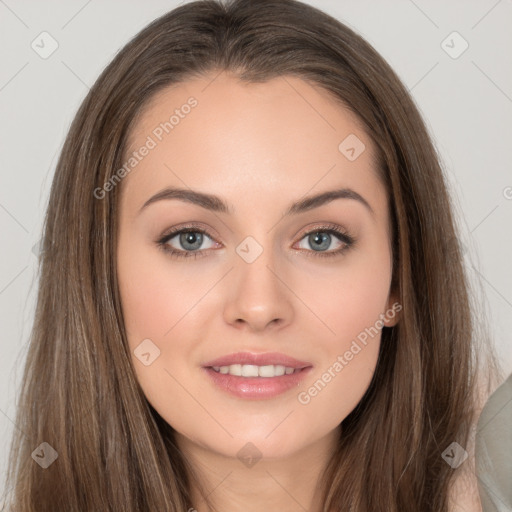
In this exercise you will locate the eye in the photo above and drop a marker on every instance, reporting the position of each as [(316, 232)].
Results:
[(322, 239), (188, 241)]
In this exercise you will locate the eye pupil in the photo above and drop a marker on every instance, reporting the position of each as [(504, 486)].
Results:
[(192, 237), (319, 240)]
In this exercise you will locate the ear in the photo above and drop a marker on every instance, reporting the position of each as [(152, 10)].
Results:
[(393, 311)]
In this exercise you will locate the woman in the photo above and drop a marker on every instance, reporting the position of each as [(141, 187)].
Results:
[(313, 347)]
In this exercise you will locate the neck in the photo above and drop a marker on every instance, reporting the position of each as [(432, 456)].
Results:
[(291, 483)]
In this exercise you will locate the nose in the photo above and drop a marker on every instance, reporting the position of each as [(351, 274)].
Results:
[(258, 297)]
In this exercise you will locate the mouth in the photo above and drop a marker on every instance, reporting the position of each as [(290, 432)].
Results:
[(251, 370), (241, 376)]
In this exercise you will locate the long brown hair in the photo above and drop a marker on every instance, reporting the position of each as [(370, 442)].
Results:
[(80, 394)]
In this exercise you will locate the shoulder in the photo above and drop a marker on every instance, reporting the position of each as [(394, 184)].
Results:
[(464, 495)]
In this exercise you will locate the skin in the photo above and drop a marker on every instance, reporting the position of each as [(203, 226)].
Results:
[(260, 147)]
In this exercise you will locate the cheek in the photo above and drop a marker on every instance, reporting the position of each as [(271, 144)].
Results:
[(147, 303), (153, 298), (351, 302), (350, 298), (158, 304)]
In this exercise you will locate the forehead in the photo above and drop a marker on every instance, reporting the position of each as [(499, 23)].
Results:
[(220, 134)]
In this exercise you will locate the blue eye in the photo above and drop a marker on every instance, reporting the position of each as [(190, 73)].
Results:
[(322, 239), (190, 239)]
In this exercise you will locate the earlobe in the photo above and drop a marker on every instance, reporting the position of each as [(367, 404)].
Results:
[(391, 322), (393, 312)]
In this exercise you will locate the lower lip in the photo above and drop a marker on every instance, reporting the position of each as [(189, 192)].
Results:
[(257, 388)]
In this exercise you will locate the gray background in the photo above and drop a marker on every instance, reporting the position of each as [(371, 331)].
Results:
[(466, 102)]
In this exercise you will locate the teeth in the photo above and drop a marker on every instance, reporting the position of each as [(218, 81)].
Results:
[(251, 370)]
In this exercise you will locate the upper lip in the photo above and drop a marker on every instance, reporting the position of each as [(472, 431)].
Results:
[(267, 358)]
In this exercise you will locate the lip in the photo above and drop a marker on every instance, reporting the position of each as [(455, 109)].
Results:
[(258, 360), (257, 388)]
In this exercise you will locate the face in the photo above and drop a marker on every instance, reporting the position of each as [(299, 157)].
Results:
[(259, 269)]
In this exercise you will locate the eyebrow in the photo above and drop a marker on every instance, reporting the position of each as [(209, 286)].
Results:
[(216, 204)]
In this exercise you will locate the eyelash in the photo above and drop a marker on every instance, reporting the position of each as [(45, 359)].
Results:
[(331, 229)]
